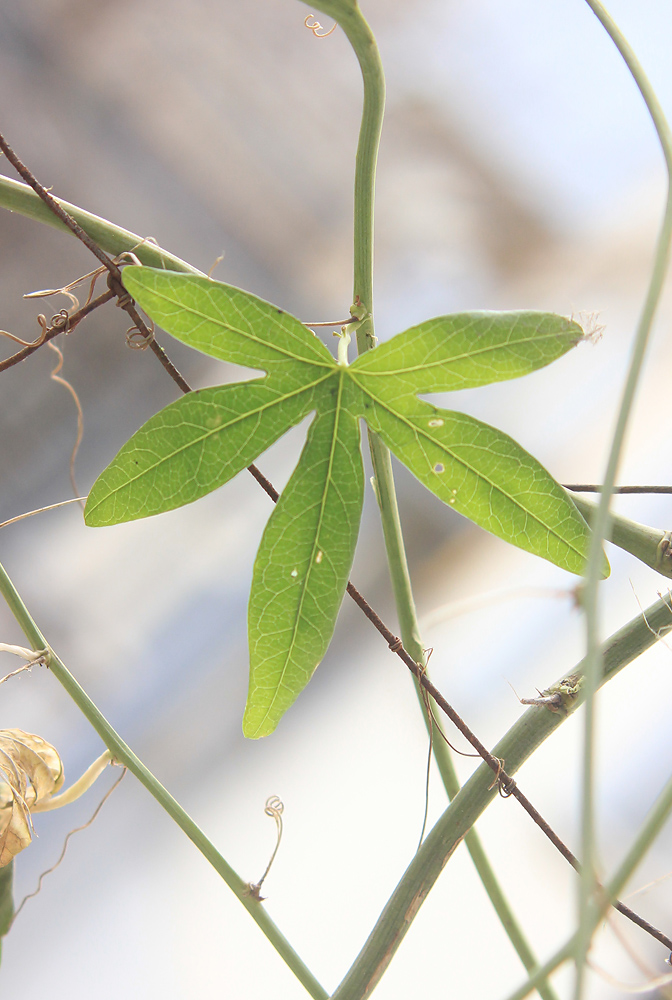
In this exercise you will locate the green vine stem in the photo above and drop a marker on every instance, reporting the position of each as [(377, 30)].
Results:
[(125, 756), (363, 42), (533, 727), (485, 872), (6, 900), (18, 197), (652, 546), (600, 522), (361, 38)]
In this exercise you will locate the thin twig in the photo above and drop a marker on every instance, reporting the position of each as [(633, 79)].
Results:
[(54, 206), (114, 281), (56, 328), (40, 510), (507, 784)]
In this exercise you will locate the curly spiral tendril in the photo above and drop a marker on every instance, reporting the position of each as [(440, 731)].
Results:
[(317, 29), (60, 320), (274, 808), (42, 321), (136, 340), (57, 377)]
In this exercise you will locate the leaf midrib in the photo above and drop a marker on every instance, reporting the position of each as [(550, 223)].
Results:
[(439, 364), (311, 564), (325, 363)]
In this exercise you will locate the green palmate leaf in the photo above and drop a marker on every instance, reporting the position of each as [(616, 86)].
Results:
[(303, 563), (301, 570)]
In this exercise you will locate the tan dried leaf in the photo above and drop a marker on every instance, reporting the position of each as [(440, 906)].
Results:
[(30, 771)]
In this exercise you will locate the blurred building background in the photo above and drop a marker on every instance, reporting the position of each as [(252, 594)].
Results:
[(518, 169)]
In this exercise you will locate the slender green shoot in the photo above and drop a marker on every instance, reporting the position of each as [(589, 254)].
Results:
[(364, 45), (521, 741), (600, 522), (123, 754), (652, 546), (18, 197)]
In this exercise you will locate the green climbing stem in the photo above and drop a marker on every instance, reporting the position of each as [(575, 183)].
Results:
[(361, 38), (652, 546), (600, 522), (124, 755), (525, 736), (18, 197), (6, 900)]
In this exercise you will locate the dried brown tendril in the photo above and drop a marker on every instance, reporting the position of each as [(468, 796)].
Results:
[(317, 28), (274, 808), (136, 340)]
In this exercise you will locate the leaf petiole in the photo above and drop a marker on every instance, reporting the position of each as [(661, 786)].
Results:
[(343, 344), (78, 787)]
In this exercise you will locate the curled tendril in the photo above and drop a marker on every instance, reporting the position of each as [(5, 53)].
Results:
[(496, 779), (125, 257), (274, 808), (42, 321), (61, 320), (317, 28), (57, 377), (136, 340), (123, 300), (77, 829)]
